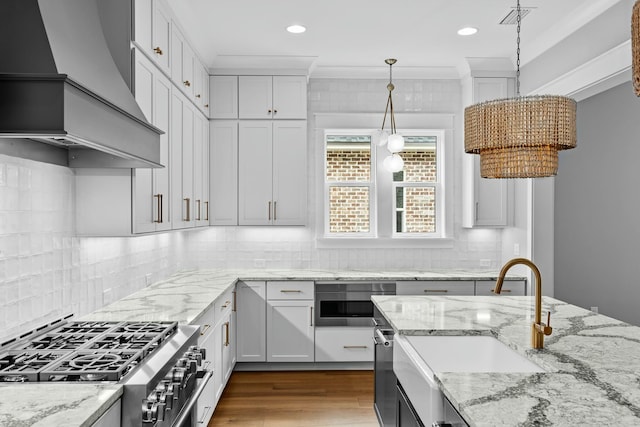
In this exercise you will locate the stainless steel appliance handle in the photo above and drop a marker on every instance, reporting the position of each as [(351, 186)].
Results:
[(186, 409), (383, 340)]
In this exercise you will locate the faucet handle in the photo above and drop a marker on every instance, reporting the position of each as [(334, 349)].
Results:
[(547, 329)]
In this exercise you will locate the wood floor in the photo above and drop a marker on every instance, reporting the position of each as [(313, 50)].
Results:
[(297, 398)]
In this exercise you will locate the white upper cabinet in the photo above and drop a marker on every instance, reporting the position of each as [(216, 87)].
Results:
[(152, 31), (272, 172), (486, 202), (151, 194), (224, 172), (272, 97), (181, 61), (224, 97)]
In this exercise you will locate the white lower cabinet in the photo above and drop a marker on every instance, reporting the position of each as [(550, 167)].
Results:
[(509, 287), (435, 287), (341, 344), (290, 329), (251, 312)]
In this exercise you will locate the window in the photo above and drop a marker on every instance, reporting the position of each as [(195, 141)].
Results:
[(364, 200)]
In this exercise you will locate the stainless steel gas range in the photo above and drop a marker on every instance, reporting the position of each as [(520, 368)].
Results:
[(158, 363)]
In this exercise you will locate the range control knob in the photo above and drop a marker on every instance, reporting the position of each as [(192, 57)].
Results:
[(160, 411)]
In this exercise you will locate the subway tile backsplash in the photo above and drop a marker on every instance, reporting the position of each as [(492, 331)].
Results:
[(46, 271)]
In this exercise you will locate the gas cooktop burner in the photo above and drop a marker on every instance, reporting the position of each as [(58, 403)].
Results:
[(83, 351)]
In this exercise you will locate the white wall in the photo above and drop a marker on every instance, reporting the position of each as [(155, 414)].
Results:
[(46, 272), (597, 201)]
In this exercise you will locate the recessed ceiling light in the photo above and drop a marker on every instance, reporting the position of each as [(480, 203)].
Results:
[(467, 31), (296, 29)]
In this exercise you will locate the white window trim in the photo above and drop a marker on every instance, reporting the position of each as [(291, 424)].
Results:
[(367, 122)]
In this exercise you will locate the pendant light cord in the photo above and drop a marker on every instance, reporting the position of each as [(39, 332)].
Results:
[(389, 107), (518, 20)]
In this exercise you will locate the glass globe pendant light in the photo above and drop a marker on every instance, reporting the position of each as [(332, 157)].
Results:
[(392, 139)]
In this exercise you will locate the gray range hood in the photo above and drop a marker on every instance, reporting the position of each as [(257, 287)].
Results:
[(59, 85)]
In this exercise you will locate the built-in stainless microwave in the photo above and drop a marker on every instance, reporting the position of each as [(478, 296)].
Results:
[(348, 303)]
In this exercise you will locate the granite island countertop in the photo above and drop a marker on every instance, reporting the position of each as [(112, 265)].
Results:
[(592, 366), (182, 297)]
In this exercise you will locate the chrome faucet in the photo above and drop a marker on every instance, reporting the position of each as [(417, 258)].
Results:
[(538, 329)]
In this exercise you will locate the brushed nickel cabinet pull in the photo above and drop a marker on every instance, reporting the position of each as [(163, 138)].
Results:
[(157, 50), (198, 209), (311, 317), (269, 210), (354, 346), (297, 291), (206, 211), (275, 210), (226, 341), (188, 200), (440, 291)]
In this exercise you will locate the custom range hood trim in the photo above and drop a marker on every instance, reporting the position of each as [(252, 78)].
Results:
[(90, 111)]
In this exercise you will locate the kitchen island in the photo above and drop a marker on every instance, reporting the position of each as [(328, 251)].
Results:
[(592, 369)]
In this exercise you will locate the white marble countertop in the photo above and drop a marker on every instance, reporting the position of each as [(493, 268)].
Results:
[(186, 295), (592, 363), (59, 404), (182, 297)]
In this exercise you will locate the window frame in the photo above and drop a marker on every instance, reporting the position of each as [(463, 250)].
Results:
[(382, 191)]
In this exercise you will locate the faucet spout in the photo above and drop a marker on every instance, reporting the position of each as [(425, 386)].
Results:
[(538, 329)]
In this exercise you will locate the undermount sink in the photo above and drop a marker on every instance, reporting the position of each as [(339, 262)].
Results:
[(469, 354), (417, 358)]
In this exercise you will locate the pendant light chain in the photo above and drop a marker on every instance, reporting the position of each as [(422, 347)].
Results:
[(518, 19)]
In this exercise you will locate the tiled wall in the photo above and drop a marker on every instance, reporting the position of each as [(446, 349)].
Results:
[(46, 272)]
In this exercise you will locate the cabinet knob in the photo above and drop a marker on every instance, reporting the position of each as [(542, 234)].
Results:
[(157, 50), (187, 83), (275, 111), (269, 111), (198, 96), (206, 105)]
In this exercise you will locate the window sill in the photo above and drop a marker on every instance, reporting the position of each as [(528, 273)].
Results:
[(379, 242)]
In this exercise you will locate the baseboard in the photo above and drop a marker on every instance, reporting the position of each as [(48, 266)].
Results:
[(304, 366)]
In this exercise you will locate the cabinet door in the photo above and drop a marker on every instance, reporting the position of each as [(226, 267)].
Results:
[(143, 29), (188, 201), (289, 172), (161, 36), (436, 287), (181, 161), (509, 287), (251, 307), (151, 195), (198, 151), (486, 200), (224, 97), (289, 97), (205, 179), (224, 172), (290, 336), (226, 355), (188, 67), (255, 173), (205, 91), (177, 47), (255, 97)]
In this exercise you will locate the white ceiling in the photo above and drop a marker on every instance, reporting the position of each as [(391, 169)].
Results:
[(358, 35)]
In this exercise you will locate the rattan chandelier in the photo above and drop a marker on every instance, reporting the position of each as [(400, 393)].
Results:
[(635, 46), (520, 137)]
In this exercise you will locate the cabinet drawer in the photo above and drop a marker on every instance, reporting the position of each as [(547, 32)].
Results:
[(509, 287), (435, 287), (224, 302), (290, 290), (206, 321), (340, 344)]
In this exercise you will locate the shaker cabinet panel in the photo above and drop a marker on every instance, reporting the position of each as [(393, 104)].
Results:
[(290, 334), (161, 36), (289, 97), (255, 97), (251, 345), (289, 172), (223, 97), (272, 97), (224, 172), (255, 150)]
